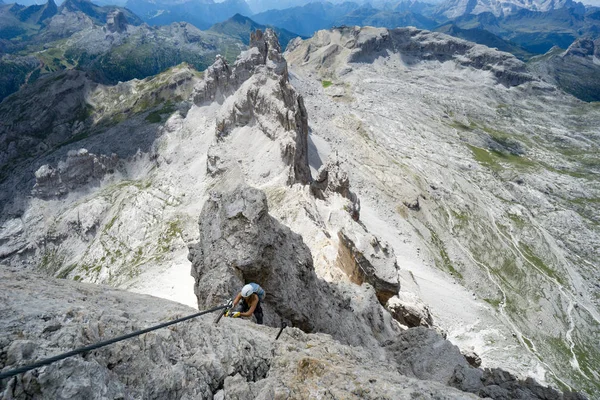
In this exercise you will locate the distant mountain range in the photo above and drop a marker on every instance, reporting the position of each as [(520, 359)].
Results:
[(513, 27), (240, 27), (200, 13), (538, 32), (110, 44), (457, 8), (370, 16), (305, 20), (25, 22), (486, 38)]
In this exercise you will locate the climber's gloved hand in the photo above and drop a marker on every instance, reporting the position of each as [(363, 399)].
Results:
[(227, 313), (235, 314)]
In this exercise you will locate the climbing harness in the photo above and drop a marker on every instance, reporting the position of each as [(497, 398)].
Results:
[(51, 360)]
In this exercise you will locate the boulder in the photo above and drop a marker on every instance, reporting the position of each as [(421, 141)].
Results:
[(365, 258), (472, 358), (409, 310), (423, 353)]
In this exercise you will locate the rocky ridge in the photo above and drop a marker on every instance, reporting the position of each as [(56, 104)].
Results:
[(196, 359), (240, 242), (263, 96), (80, 168)]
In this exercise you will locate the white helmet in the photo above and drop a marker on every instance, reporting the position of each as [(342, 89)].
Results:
[(247, 290)]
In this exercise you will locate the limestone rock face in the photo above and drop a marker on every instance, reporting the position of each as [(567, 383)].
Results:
[(409, 310), (240, 243), (79, 169), (221, 79), (116, 21), (54, 110), (576, 70), (331, 178), (196, 359)]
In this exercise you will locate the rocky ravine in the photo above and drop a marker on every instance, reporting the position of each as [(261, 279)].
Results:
[(368, 218)]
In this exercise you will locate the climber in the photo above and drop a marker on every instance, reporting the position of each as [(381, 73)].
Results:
[(251, 296)]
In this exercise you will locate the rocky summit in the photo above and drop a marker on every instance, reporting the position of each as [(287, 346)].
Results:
[(419, 209)]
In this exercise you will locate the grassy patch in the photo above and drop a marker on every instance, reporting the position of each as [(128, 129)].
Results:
[(446, 263), (156, 116), (326, 84), (497, 161), (168, 236), (535, 260), (528, 343), (51, 262), (461, 126), (402, 211), (493, 302), (276, 196), (64, 273), (153, 117)]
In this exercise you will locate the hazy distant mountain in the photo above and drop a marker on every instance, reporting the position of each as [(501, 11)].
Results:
[(258, 6), (307, 19), (323, 15), (16, 20), (98, 14), (201, 13), (537, 32), (457, 8), (416, 6), (47, 22), (240, 27), (486, 38), (111, 44), (369, 16)]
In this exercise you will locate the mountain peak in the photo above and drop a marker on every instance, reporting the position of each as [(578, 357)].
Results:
[(240, 18)]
